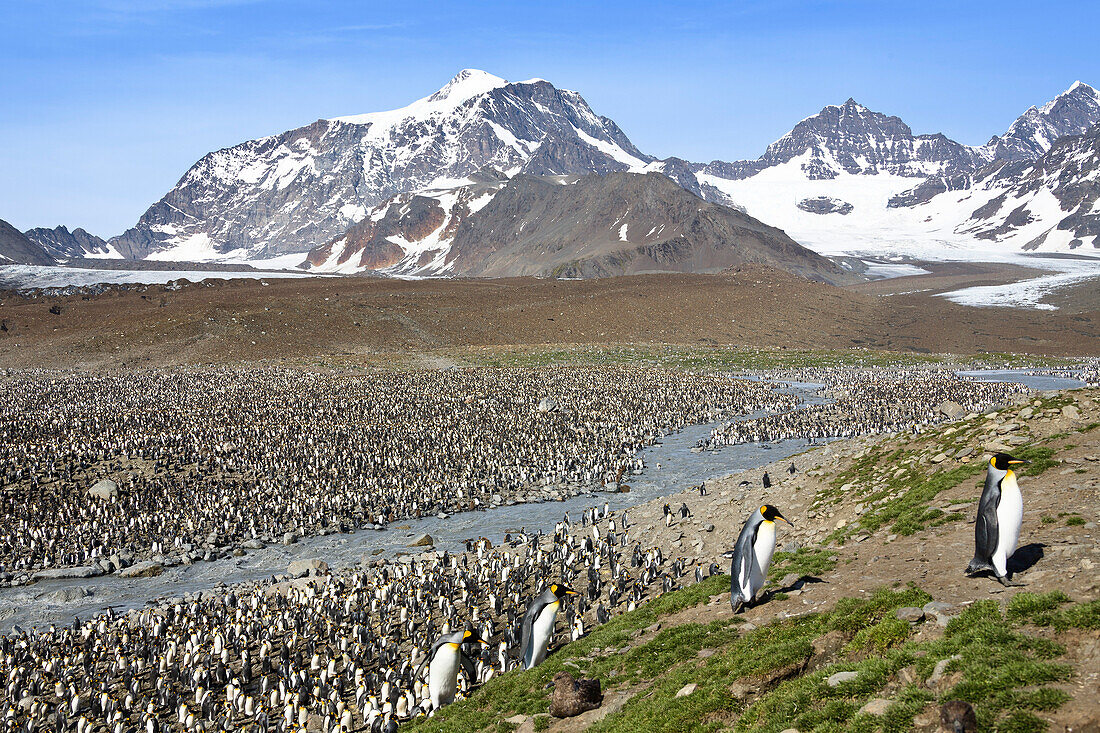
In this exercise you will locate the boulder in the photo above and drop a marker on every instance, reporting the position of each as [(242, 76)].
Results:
[(302, 568), (66, 595), (951, 410), (912, 614), (424, 540), (105, 488), (875, 706), (840, 678), (146, 569), (687, 689), (547, 404), (253, 544)]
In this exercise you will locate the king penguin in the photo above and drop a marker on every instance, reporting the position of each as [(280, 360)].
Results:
[(443, 663), (538, 624), (1000, 514), (753, 555)]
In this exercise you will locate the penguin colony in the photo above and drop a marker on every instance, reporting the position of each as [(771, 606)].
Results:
[(368, 647), (867, 402), (362, 649), (207, 460)]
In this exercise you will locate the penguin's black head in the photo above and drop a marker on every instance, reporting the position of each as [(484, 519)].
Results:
[(561, 591), (1003, 461), (471, 636), (771, 514)]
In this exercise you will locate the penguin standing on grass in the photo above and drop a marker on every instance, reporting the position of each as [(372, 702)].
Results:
[(752, 556), (1000, 514), (443, 662), (538, 624)]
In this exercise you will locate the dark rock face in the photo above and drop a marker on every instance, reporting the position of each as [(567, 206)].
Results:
[(60, 243), (16, 248), (825, 205), (564, 226), (622, 223), (929, 187), (856, 140), (572, 697), (293, 191), (1070, 171), (376, 242)]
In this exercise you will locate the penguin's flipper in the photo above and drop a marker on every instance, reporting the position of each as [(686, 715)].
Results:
[(429, 657), (986, 529), (533, 611), (469, 665)]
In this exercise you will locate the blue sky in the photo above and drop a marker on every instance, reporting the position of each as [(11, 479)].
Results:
[(106, 103)]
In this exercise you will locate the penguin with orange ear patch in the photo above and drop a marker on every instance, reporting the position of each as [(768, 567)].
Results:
[(443, 663), (1000, 515), (752, 556), (538, 624)]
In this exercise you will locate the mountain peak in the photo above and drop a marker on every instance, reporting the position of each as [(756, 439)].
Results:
[(1034, 132), (467, 83)]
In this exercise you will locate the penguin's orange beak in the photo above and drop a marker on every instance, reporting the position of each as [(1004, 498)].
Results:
[(1019, 460)]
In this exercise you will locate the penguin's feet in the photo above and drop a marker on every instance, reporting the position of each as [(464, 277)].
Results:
[(738, 607), (1009, 583)]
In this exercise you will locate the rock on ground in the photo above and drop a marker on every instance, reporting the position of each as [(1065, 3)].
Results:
[(302, 568), (146, 569), (104, 489)]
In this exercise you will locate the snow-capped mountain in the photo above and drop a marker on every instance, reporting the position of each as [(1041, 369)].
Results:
[(63, 244), (565, 226), (389, 190), (290, 192), (1034, 132), (851, 180), (1050, 203), (852, 139), (15, 248)]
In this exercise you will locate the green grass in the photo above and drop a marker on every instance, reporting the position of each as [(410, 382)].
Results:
[(812, 562), (1003, 671), (1075, 522), (902, 503)]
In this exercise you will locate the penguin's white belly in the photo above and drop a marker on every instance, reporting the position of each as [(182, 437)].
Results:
[(541, 631), (1010, 515), (443, 676), (762, 551)]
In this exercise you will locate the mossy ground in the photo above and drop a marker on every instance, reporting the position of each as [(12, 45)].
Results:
[(898, 485), (994, 662)]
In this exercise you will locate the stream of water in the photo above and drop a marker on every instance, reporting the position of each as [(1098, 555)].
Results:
[(670, 467)]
